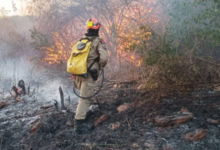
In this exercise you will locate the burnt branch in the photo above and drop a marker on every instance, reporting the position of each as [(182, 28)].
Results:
[(28, 88), (16, 91), (56, 105), (62, 98)]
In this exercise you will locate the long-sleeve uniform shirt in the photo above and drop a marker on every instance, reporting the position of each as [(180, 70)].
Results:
[(87, 85)]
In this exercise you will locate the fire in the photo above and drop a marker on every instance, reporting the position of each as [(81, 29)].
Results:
[(136, 60), (132, 32), (57, 53), (132, 57)]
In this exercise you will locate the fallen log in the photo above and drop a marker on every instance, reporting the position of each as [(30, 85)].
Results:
[(123, 107), (197, 135), (35, 127), (100, 120), (176, 119), (3, 104), (46, 106)]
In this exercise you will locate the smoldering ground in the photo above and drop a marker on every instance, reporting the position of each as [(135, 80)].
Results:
[(26, 125), (20, 115)]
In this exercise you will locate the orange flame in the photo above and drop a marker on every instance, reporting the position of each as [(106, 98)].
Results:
[(57, 53), (136, 60)]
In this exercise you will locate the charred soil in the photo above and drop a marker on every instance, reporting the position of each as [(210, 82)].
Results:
[(132, 126)]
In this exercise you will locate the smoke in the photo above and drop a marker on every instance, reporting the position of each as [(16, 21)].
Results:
[(15, 52), (16, 61)]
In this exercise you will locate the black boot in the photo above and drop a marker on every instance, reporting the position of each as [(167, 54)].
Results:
[(80, 128), (88, 115)]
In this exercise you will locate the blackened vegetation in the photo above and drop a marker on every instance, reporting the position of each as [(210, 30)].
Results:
[(21, 84), (62, 98), (20, 90), (133, 129)]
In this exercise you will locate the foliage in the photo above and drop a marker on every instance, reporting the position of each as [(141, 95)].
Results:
[(38, 39), (59, 51), (188, 50), (193, 21)]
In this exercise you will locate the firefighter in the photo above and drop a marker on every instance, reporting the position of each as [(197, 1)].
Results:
[(86, 85)]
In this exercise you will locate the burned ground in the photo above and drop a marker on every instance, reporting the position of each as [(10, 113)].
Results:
[(131, 129)]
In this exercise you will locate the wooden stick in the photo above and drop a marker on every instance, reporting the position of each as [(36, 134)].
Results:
[(28, 88)]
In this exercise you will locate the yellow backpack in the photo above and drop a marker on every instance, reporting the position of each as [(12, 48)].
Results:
[(77, 63)]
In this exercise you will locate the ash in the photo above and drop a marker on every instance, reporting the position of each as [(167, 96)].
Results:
[(34, 123)]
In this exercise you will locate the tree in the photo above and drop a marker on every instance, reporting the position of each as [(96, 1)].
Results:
[(115, 17)]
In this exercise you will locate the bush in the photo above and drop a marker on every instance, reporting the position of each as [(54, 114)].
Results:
[(189, 51)]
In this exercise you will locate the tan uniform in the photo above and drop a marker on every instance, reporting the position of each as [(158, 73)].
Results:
[(87, 85)]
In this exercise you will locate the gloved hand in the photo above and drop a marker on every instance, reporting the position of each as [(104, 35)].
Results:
[(72, 76)]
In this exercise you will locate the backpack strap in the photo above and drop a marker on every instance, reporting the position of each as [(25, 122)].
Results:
[(96, 60), (85, 38), (89, 39)]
